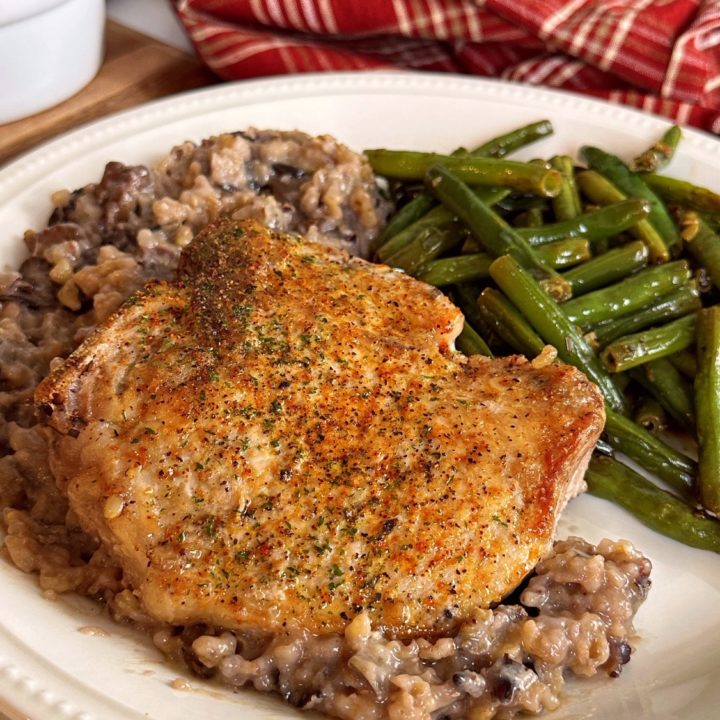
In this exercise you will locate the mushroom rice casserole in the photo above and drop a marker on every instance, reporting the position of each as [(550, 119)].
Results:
[(102, 243)]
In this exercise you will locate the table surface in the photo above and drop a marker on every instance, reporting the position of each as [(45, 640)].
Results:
[(136, 68)]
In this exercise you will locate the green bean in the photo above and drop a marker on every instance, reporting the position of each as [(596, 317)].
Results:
[(598, 189), (663, 380), (434, 218), (658, 509), (633, 350), (472, 169), (465, 296), (502, 145), (682, 301), (627, 296), (540, 162), (497, 147), (704, 246), (451, 270), (601, 246), (490, 196), (409, 213), (488, 227), (475, 266), (684, 193), (660, 154), (530, 218), (516, 203), (550, 323), (604, 222), (508, 324), (632, 184), (566, 205), (469, 342), (428, 245), (707, 400), (564, 253), (651, 415), (601, 191), (650, 452), (685, 361), (608, 268)]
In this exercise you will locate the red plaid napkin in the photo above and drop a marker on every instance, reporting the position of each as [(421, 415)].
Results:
[(659, 55)]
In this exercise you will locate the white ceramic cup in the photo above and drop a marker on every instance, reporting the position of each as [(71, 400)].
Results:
[(49, 49)]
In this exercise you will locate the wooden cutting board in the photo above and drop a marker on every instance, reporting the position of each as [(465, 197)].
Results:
[(136, 69)]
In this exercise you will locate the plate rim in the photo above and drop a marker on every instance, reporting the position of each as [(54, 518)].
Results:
[(28, 166)]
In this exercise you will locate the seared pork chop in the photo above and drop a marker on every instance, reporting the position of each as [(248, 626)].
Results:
[(285, 437)]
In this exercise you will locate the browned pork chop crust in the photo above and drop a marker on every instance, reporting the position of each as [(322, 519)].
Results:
[(285, 437)]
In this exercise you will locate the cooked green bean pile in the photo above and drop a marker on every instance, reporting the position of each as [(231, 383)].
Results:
[(616, 266)]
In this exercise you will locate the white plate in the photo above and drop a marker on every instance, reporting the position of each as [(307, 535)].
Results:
[(49, 670)]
